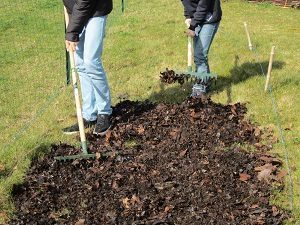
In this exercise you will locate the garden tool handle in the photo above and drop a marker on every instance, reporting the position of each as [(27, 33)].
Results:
[(76, 93), (190, 53), (78, 104), (67, 54), (66, 17)]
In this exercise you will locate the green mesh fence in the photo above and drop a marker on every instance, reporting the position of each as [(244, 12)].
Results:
[(32, 75)]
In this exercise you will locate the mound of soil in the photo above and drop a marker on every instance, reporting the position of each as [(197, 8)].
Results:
[(160, 164)]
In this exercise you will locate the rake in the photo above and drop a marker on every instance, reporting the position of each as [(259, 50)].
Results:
[(181, 75), (85, 153)]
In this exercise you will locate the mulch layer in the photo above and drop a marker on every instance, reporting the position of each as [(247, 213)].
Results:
[(183, 164)]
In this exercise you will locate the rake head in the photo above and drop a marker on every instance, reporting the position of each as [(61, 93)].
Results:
[(172, 76), (74, 157)]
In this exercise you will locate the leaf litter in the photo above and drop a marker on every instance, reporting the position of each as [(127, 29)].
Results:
[(182, 166)]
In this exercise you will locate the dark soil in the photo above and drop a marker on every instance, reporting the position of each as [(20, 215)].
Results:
[(160, 164)]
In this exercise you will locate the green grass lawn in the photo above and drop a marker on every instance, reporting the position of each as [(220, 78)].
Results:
[(147, 38)]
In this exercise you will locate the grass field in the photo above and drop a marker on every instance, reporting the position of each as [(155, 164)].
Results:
[(35, 102)]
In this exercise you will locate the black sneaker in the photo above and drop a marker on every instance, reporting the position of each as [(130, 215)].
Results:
[(201, 88), (102, 125), (198, 91), (75, 128)]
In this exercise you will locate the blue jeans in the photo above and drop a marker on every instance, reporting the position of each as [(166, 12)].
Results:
[(202, 43), (94, 86)]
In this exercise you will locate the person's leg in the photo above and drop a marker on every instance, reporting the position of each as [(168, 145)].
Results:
[(89, 112), (87, 109), (202, 44), (93, 46)]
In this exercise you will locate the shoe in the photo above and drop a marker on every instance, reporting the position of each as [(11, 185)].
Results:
[(102, 125), (199, 90), (75, 128)]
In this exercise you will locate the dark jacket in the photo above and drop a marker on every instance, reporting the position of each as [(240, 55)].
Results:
[(80, 11), (202, 11)]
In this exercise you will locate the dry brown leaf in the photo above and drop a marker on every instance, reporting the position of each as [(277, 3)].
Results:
[(233, 110), (169, 208), (175, 132), (195, 115), (281, 174), (107, 137), (53, 215), (275, 211), (119, 176), (135, 200), (126, 203), (257, 132), (80, 222), (98, 155), (264, 174), (94, 170), (141, 129), (115, 185), (268, 166), (270, 159), (97, 185), (244, 177), (265, 171), (182, 153), (255, 206), (3, 215), (113, 154), (155, 173), (258, 145), (75, 162), (260, 221), (205, 162)]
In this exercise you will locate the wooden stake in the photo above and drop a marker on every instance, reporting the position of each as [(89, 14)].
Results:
[(248, 36), (270, 67)]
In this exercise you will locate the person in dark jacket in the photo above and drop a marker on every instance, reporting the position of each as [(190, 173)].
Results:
[(84, 36), (202, 18)]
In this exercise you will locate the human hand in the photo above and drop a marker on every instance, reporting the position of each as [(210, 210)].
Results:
[(188, 22), (190, 33), (71, 46)]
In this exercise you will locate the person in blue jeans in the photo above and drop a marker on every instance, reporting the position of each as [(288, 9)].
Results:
[(85, 34), (202, 18)]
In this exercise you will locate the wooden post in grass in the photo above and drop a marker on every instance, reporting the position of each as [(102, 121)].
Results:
[(248, 36), (270, 68)]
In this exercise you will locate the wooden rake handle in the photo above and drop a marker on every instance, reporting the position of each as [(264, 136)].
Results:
[(190, 54), (76, 94)]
